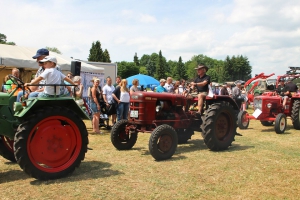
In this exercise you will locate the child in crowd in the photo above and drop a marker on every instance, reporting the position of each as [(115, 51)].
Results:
[(51, 76)]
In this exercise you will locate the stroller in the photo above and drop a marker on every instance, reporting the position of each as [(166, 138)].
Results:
[(103, 113)]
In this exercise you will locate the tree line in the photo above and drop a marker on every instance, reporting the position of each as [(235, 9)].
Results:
[(156, 65)]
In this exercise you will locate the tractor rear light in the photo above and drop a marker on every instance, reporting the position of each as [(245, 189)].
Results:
[(269, 105)]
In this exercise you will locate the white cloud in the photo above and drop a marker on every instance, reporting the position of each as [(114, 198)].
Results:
[(267, 33)]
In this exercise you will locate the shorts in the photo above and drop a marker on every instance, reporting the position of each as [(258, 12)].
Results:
[(94, 108), (204, 93)]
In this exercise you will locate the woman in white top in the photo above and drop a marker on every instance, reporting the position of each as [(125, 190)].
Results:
[(122, 97)]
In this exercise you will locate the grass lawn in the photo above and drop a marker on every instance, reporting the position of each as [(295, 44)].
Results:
[(259, 165)]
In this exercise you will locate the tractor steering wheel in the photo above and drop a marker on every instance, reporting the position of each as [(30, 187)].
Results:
[(18, 82)]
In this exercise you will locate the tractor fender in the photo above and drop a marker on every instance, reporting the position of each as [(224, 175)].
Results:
[(223, 98), (37, 103)]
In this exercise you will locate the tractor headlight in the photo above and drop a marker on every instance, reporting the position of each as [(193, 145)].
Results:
[(17, 106), (269, 105), (158, 108)]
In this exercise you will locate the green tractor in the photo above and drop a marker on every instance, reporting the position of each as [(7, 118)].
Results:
[(45, 136)]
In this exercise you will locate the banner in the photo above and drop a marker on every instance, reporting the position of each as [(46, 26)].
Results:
[(86, 78)]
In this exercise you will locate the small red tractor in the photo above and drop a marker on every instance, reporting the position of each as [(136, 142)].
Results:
[(171, 119), (259, 86), (268, 108)]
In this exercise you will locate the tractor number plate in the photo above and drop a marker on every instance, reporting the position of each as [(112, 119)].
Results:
[(134, 113)]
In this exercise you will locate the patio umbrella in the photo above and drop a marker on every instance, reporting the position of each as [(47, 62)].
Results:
[(144, 80)]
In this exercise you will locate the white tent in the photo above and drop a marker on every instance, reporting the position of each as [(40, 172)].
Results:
[(21, 57)]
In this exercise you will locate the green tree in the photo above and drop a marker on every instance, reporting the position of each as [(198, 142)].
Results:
[(172, 68), (136, 60), (160, 69), (181, 72), (127, 69), (106, 56), (4, 41), (143, 70), (54, 49), (96, 52), (151, 65), (2, 38), (144, 60)]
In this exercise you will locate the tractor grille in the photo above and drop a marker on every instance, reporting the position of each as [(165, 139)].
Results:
[(257, 104)]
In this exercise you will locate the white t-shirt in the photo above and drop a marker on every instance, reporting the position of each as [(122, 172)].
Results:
[(52, 76), (169, 87), (124, 97), (180, 89), (108, 90)]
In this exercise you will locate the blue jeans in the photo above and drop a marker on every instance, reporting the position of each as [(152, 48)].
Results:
[(20, 94), (33, 94), (122, 110)]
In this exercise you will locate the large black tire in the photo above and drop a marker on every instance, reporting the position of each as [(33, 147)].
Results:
[(280, 123), (184, 135), (243, 121), (7, 148), (51, 143), (296, 114), (219, 126), (267, 123), (163, 142), (120, 139)]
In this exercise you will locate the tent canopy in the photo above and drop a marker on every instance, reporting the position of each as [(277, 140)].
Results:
[(146, 81), (21, 57)]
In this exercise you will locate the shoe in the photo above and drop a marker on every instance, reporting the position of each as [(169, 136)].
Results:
[(108, 127)]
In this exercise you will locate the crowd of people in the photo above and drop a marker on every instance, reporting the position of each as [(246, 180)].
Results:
[(114, 99)]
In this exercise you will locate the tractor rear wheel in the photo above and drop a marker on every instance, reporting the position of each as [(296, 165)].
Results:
[(184, 135), (120, 139), (243, 121), (7, 148), (267, 123), (296, 114), (163, 142), (51, 143), (219, 126), (280, 123)]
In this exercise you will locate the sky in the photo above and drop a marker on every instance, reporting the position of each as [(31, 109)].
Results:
[(267, 32)]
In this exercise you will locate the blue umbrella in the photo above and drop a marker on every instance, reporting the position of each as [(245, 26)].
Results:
[(144, 80)]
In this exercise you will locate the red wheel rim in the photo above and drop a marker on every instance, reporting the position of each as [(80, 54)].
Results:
[(165, 143), (8, 143), (245, 120), (54, 144), (222, 126)]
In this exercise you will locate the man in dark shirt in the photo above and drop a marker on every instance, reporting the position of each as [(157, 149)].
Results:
[(292, 87), (281, 88), (201, 83)]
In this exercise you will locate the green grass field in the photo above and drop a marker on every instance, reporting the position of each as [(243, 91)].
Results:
[(259, 165)]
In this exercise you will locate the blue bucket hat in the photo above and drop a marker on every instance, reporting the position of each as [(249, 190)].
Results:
[(41, 52)]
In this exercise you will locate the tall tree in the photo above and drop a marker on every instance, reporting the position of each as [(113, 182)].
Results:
[(106, 56), (160, 69), (54, 49), (96, 52), (181, 72), (151, 65), (2, 38), (136, 60)]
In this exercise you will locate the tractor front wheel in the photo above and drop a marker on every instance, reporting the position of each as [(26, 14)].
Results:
[(51, 143), (120, 139), (243, 121), (280, 123), (219, 126), (163, 142)]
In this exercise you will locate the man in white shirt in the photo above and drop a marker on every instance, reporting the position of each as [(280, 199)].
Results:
[(108, 99), (169, 86)]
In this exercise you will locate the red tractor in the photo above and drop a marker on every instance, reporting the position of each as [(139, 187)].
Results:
[(171, 119), (268, 108)]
